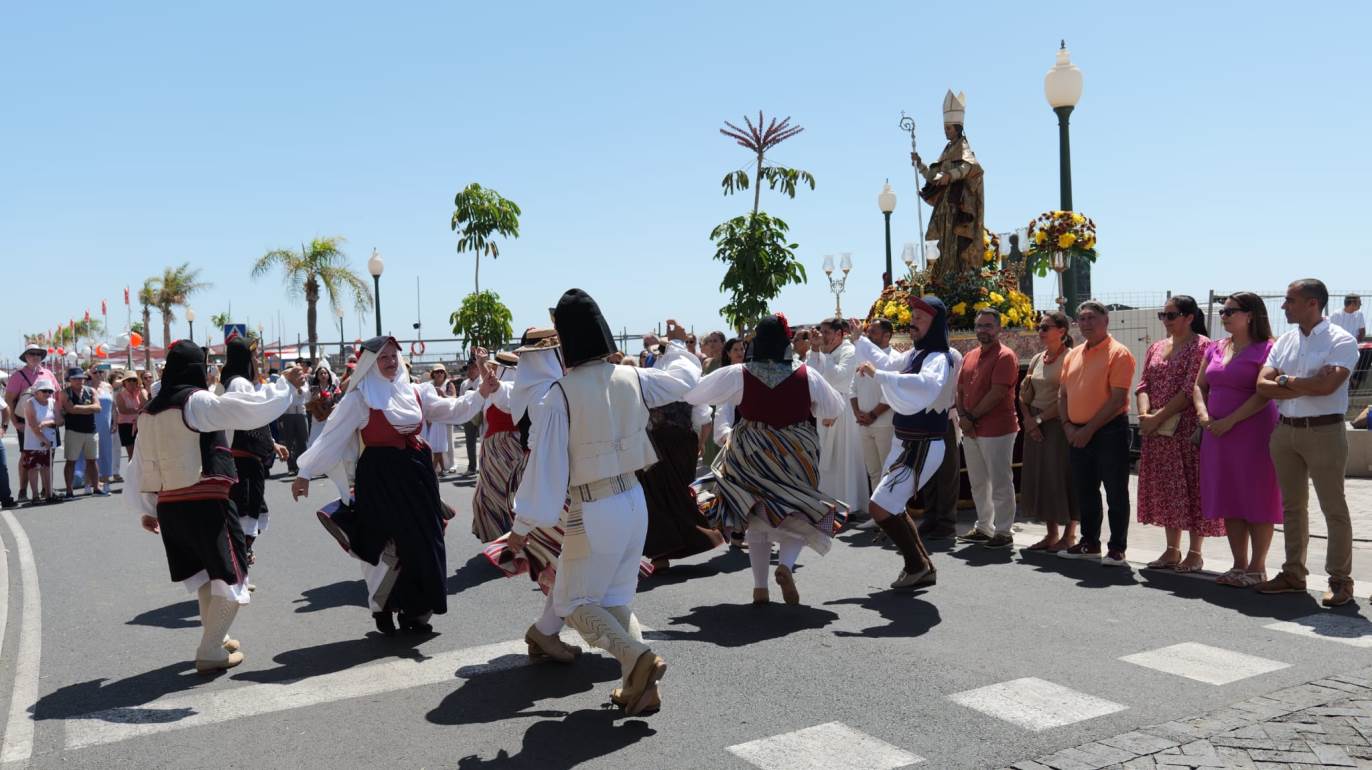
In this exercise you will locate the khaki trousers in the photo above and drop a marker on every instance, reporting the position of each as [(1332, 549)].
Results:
[(1318, 455), (876, 444)]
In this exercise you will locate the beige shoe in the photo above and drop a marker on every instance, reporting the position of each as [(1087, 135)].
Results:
[(212, 666), (640, 689), (760, 596), (231, 645), (787, 582), (549, 647)]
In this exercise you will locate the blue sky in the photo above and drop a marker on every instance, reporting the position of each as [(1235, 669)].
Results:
[(1217, 145)]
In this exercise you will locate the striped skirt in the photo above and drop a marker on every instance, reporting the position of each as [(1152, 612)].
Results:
[(502, 465), (539, 557), (772, 475)]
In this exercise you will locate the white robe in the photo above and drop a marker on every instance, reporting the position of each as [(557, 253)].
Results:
[(842, 471)]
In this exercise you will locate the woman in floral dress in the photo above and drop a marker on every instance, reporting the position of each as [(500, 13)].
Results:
[(1169, 467)]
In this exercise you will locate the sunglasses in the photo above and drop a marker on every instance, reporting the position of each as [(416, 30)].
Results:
[(1047, 327), (1228, 311), (1169, 315)]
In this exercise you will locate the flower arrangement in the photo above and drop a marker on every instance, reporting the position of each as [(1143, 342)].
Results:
[(893, 304), (987, 289), (992, 243), (1059, 231)]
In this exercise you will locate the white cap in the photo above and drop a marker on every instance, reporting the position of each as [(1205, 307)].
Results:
[(954, 105)]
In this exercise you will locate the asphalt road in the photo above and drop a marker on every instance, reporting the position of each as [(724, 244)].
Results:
[(114, 683)]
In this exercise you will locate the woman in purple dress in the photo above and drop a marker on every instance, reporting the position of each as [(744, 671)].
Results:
[(1238, 481)]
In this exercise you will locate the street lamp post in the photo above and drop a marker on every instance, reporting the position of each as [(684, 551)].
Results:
[(1062, 88), (374, 266), (886, 201), (837, 285), (190, 319), (342, 354)]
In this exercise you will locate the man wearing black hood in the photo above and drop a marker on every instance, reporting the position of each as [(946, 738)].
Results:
[(588, 437), (920, 386), (252, 449), (178, 481)]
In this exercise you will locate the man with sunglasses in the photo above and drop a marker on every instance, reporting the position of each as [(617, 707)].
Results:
[(1307, 375)]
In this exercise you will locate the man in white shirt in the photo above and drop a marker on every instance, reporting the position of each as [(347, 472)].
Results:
[(842, 473), (873, 416), (1351, 319), (1307, 375)]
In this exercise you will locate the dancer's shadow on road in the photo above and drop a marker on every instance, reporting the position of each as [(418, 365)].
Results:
[(981, 556), (730, 560), (476, 571), (567, 743), (739, 625), (906, 616), (119, 701), (179, 615), (875, 538), (306, 662), (494, 696), (344, 593), (1089, 573)]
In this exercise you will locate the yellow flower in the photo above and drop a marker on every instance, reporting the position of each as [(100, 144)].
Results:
[(1004, 320), (1090, 242), (904, 316), (1040, 237), (1079, 219), (1013, 315), (986, 238), (990, 255), (960, 308), (1066, 240), (980, 306)]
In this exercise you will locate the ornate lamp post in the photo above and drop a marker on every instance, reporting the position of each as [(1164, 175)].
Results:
[(190, 319), (1062, 88), (1061, 263), (837, 285), (342, 352), (886, 201), (374, 266), (919, 274)]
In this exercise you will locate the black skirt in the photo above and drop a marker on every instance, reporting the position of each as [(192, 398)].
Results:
[(249, 493), (676, 527), (203, 535), (396, 498), (125, 434)]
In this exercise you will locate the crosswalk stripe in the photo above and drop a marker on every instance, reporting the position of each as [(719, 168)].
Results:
[(1203, 663), (828, 746), (1035, 704), (1354, 630)]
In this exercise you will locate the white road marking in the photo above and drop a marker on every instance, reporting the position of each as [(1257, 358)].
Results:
[(18, 745), (1035, 704), (4, 594), (830, 746), (1203, 663), (1354, 630)]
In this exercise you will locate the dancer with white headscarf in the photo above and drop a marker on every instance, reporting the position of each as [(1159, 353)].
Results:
[(394, 520), (502, 457)]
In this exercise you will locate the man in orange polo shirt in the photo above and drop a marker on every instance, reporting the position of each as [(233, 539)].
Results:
[(1094, 398)]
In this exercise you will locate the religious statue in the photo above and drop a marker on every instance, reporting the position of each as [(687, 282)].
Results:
[(954, 189)]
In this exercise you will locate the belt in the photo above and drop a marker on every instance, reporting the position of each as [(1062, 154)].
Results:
[(598, 490), (1311, 422)]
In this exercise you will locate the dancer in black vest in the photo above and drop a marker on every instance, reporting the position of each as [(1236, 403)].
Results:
[(252, 449), (919, 385)]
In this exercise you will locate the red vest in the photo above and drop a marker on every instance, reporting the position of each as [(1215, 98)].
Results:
[(498, 421), (380, 432), (786, 404)]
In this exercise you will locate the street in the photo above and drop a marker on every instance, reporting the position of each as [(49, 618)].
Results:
[(1012, 656)]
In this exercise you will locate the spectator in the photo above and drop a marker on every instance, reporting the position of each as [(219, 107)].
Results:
[(436, 434), (1351, 319), (108, 456), (212, 378), (710, 350), (735, 351), (1046, 477), (471, 428), (21, 381), (1169, 464), (1238, 482), (324, 394), (79, 411), (294, 429), (1306, 373), (7, 500), (873, 416), (842, 473), (129, 402), (1094, 396), (986, 413), (41, 418)]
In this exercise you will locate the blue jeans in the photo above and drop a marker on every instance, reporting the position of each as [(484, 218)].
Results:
[(1104, 460), (6, 496)]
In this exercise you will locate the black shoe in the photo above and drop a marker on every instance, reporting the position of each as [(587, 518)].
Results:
[(385, 623), (415, 624), (8, 504), (999, 542), (974, 536)]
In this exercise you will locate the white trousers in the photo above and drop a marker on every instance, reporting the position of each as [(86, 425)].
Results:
[(608, 575), (992, 481), (876, 444), (892, 495)]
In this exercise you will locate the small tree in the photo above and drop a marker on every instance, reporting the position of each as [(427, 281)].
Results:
[(321, 265), (478, 214), (483, 320)]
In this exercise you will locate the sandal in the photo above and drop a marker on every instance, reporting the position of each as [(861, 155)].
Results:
[(1251, 579), (1042, 545), (1234, 578), (1184, 568), (1062, 544), (1162, 562)]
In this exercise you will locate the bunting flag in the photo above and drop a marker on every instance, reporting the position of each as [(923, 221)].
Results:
[(88, 316), (104, 309), (126, 295)]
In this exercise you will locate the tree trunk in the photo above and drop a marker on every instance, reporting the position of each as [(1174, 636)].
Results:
[(478, 273), (757, 186), (166, 330), (147, 338), (312, 312)]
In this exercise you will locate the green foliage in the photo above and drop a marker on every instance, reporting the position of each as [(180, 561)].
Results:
[(320, 265), (483, 320), (479, 214), (776, 177), (172, 290), (761, 262)]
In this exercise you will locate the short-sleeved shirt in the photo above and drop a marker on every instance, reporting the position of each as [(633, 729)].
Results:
[(21, 379), (1349, 322), (981, 370), (1088, 375), (1298, 355)]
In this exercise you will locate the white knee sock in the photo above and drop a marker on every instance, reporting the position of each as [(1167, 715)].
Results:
[(788, 550), (759, 556), (549, 623)]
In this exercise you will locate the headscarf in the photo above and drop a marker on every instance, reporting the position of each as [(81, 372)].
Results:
[(395, 397), (185, 371), (536, 373), (936, 339), (583, 330), (332, 387), (238, 362), (770, 341)]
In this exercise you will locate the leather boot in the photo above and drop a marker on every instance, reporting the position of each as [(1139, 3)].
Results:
[(919, 568), (642, 669), (211, 656), (203, 598)]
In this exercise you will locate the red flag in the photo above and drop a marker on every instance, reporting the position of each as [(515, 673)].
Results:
[(126, 295), (104, 309), (88, 316)]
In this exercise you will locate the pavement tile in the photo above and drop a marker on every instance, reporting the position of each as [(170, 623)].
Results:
[(1332, 755), (1350, 688), (1140, 742), (1072, 759), (1284, 756), (1106, 754), (1236, 758), (1252, 743), (1029, 764)]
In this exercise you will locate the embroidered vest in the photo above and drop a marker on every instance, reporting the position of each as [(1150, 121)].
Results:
[(924, 424), (252, 443), (180, 463), (498, 421), (608, 420), (786, 404)]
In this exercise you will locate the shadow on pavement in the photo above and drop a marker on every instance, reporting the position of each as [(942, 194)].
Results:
[(731, 560), (906, 616), (981, 556), (476, 571), (295, 665), (875, 538), (119, 701), (739, 625), (1089, 573), (1246, 601), (560, 744), (344, 593), (179, 615), (511, 692)]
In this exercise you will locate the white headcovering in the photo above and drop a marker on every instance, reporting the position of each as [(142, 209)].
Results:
[(394, 397), (536, 373), (954, 106)]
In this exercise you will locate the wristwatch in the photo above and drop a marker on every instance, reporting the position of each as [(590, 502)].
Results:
[(1038, 419), (1282, 379)]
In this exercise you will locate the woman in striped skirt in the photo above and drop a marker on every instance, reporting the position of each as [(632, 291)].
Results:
[(502, 459), (766, 481)]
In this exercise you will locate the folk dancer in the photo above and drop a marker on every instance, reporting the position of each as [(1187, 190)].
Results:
[(252, 449), (502, 457)]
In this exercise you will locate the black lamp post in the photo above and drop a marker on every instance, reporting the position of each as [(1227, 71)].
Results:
[(190, 319), (342, 352), (374, 266), (886, 201), (1062, 88)]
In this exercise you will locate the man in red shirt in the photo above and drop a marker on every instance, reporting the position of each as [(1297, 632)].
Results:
[(986, 413)]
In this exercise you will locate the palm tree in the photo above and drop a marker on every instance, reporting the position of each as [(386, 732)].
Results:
[(174, 288), (321, 264), (147, 297)]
